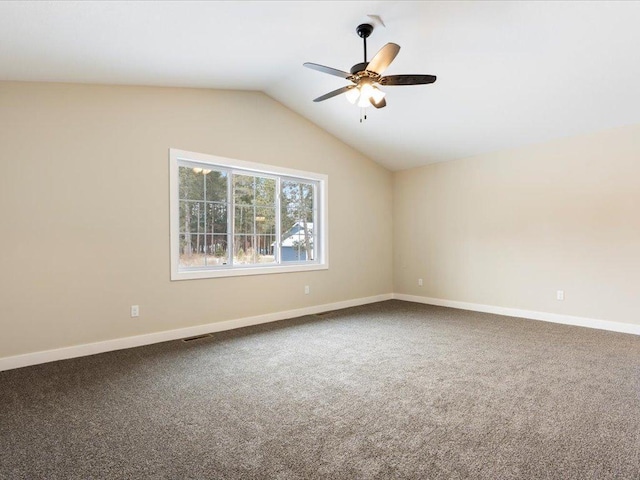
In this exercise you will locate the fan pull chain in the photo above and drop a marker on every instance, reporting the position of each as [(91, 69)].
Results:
[(363, 114)]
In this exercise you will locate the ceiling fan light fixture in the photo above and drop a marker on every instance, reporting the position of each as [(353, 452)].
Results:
[(352, 95), (377, 95), (367, 90), (366, 77), (363, 101)]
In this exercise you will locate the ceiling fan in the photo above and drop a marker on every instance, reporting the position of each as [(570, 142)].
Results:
[(366, 77)]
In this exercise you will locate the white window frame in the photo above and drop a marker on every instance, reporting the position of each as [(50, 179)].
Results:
[(321, 227)]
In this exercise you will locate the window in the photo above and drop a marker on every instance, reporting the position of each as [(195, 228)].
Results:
[(230, 217)]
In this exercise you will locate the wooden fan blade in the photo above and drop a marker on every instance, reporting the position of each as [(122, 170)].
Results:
[(407, 80), (381, 104), (334, 93), (383, 58), (329, 70)]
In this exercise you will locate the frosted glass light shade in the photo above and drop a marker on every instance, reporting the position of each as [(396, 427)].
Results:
[(366, 90), (365, 94), (377, 95), (363, 101), (352, 95)]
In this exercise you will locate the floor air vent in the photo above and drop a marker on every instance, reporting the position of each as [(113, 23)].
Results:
[(197, 337)]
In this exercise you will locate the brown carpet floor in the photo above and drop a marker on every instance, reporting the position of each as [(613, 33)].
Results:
[(389, 390)]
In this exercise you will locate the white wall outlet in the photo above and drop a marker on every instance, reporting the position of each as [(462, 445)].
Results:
[(419, 282), (560, 295), (135, 311), (306, 289)]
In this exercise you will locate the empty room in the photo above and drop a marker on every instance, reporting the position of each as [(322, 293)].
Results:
[(320, 240)]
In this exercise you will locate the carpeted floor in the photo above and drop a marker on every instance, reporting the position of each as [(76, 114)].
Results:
[(389, 390)]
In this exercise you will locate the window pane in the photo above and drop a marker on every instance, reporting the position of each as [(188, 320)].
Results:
[(216, 186), (191, 217), (217, 250), (191, 184), (296, 213), (216, 219), (192, 248), (297, 203), (265, 248), (243, 189), (298, 243), (265, 191), (266, 220), (244, 221), (265, 234), (253, 249), (243, 251)]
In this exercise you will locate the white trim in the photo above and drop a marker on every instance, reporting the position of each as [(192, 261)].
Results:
[(17, 361), (234, 164), (322, 261), (529, 314), (25, 360), (239, 271)]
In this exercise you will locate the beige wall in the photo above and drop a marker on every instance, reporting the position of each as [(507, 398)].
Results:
[(84, 205), (509, 229)]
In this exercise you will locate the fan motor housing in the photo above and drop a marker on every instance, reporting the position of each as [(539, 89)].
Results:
[(359, 67)]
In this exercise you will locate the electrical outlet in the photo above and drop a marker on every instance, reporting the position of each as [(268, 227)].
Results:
[(135, 311), (419, 282), (560, 295), (306, 289)]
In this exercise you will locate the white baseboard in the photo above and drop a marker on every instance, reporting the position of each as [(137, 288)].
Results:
[(25, 360), (529, 314)]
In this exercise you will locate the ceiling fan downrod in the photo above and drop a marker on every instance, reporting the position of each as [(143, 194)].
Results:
[(363, 31)]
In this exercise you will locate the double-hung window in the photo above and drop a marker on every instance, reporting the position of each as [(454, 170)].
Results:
[(230, 217)]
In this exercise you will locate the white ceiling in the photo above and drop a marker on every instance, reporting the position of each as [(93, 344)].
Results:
[(509, 73)]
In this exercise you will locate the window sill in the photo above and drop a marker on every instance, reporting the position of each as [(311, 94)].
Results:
[(245, 271)]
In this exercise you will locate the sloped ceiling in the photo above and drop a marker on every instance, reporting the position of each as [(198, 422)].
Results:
[(509, 73)]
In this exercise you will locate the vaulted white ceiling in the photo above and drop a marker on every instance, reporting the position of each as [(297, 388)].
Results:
[(509, 73)]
